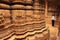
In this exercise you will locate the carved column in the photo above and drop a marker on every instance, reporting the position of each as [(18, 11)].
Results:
[(46, 8)]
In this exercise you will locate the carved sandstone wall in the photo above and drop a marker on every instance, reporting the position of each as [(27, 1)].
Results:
[(24, 20)]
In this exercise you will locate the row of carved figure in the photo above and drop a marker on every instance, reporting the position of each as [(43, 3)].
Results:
[(21, 5), (23, 32), (23, 29)]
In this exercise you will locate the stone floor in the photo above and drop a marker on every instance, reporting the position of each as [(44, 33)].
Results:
[(53, 32), (53, 29)]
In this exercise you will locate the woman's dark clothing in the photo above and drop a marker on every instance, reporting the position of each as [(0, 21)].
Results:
[(53, 21)]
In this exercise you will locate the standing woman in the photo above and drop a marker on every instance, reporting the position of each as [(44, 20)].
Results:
[(53, 20)]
